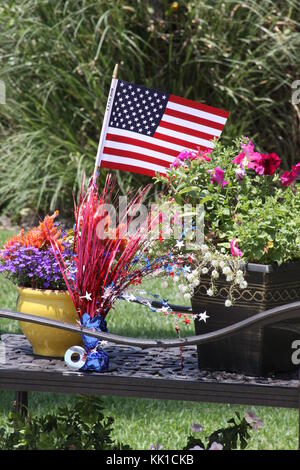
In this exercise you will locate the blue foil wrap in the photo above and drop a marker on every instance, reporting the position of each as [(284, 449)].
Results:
[(96, 359)]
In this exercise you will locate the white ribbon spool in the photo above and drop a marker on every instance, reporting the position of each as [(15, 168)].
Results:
[(74, 357)]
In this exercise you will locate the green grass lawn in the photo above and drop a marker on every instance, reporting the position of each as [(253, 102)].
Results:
[(141, 422)]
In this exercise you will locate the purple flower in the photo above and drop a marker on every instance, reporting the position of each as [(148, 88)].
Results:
[(31, 267), (217, 176)]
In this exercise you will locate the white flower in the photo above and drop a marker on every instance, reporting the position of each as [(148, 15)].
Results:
[(196, 282), (222, 264), (210, 292), (243, 284), (226, 270), (204, 270), (204, 248), (214, 263), (215, 274), (182, 288), (229, 278), (207, 256), (239, 273), (186, 295), (228, 303)]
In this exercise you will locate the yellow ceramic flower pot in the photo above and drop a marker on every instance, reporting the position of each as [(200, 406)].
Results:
[(55, 305)]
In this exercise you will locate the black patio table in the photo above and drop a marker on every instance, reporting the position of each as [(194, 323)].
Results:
[(145, 369)]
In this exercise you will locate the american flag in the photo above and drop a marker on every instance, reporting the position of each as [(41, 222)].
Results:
[(147, 129)]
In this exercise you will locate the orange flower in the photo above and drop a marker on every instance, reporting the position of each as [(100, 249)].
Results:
[(38, 237), (15, 239)]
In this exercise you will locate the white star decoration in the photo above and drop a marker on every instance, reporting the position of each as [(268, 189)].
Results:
[(87, 296), (203, 316), (136, 118)]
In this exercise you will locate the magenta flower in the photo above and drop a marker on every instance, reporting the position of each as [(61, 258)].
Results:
[(248, 158), (270, 162), (184, 155), (235, 251), (187, 155), (217, 176), (262, 164), (176, 163), (288, 177), (203, 155)]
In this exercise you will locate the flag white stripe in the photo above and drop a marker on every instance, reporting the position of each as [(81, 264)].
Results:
[(196, 112), (141, 150), (146, 138), (185, 137), (191, 125), (133, 162)]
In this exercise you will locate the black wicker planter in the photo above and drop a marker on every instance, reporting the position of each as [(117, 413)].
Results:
[(259, 350)]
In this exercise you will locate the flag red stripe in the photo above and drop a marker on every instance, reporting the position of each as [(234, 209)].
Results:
[(183, 143), (136, 156), (191, 118), (186, 130), (133, 169), (200, 106), (141, 143)]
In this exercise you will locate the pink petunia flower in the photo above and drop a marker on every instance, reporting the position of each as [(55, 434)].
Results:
[(187, 155), (235, 251), (248, 157), (203, 155), (176, 163), (184, 155), (217, 176), (270, 162), (288, 177)]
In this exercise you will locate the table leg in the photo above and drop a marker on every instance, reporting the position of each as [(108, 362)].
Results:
[(21, 403)]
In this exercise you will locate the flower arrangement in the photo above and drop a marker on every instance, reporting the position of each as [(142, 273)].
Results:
[(252, 212), (107, 260), (27, 259)]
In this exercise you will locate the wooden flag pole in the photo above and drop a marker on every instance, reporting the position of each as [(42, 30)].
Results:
[(105, 124)]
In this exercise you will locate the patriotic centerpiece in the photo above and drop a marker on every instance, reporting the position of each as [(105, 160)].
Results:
[(107, 260)]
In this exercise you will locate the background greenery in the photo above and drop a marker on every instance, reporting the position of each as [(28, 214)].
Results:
[(140, 422), (56, 59)]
